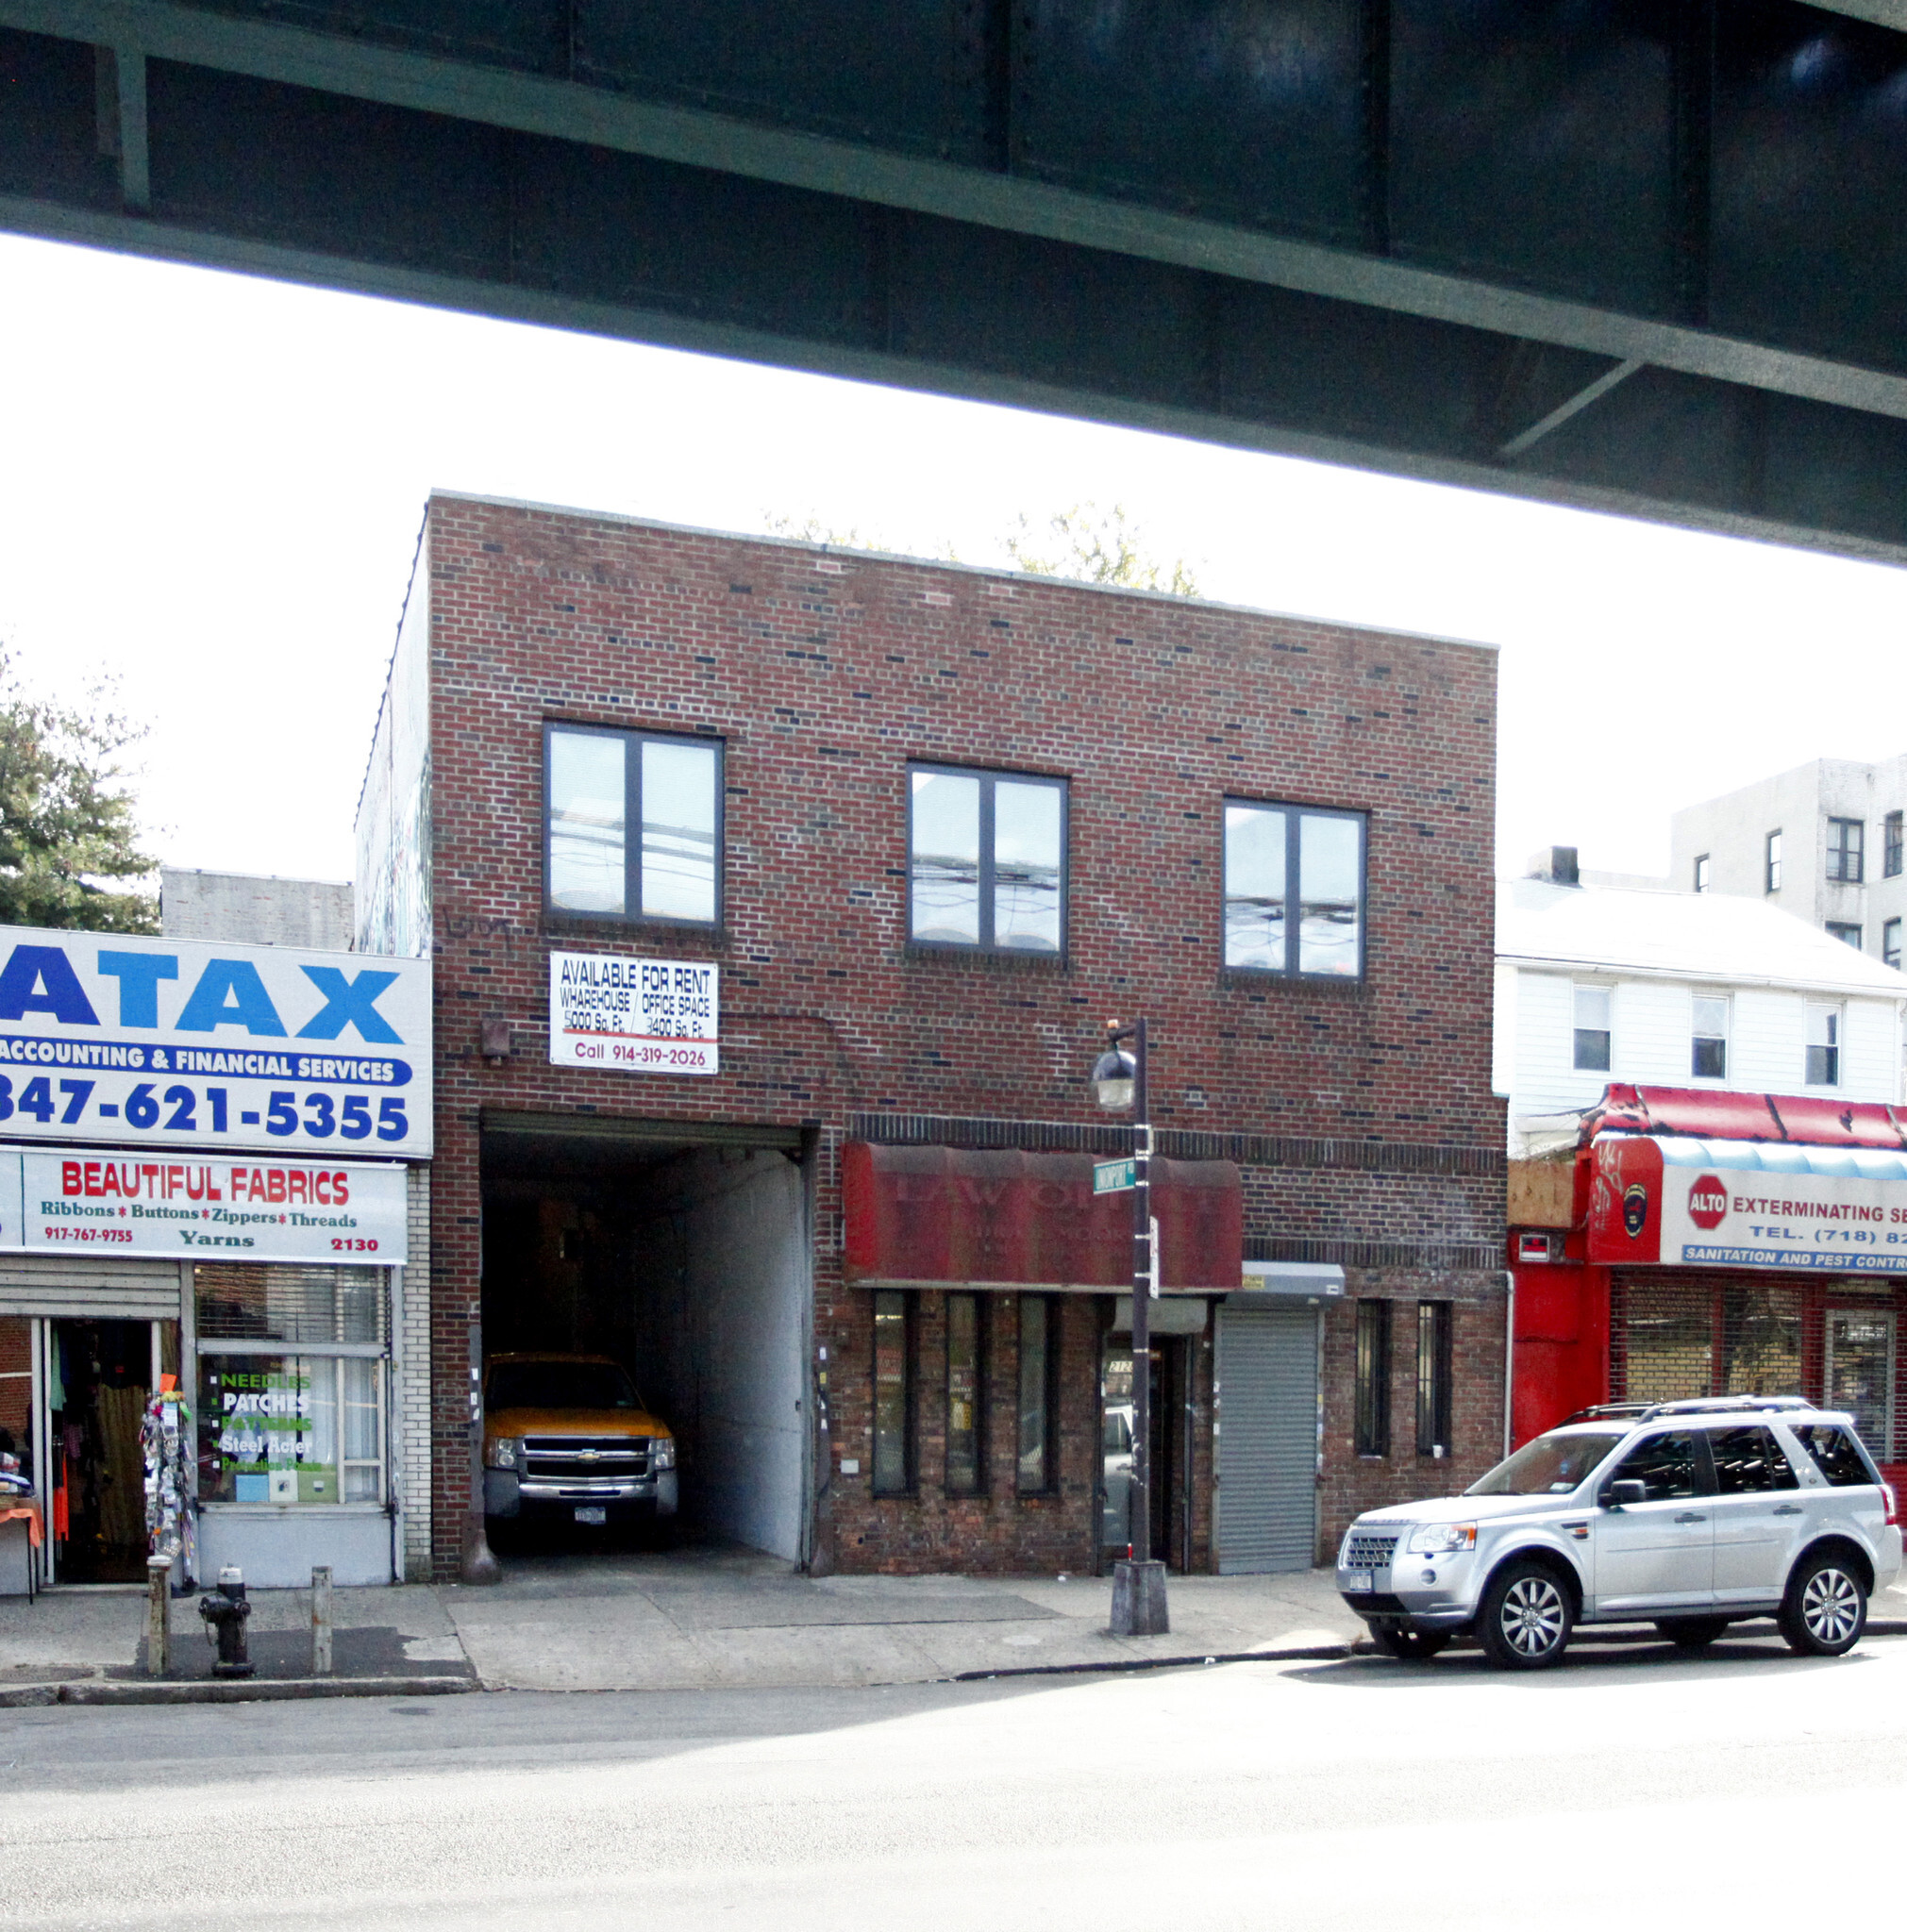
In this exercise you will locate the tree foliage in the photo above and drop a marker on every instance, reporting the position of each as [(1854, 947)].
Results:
[(67, 835), (1099, 547)]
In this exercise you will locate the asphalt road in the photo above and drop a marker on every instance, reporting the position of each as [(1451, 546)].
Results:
[(1629, 1786)]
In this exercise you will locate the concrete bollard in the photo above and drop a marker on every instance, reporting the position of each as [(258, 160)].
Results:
[(157, 1616), (321, 1619)]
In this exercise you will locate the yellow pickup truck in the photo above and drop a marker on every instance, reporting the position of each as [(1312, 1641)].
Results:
[(567, 1439)]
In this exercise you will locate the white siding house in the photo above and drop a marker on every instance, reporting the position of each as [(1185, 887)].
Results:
[(1596, 984)]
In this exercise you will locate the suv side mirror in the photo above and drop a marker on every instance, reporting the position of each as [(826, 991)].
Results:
[(1624, 1490)]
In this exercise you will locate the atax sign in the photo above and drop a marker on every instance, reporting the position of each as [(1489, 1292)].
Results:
[(192, 1044)]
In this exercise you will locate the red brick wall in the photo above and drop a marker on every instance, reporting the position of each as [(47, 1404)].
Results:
[(824, 674)]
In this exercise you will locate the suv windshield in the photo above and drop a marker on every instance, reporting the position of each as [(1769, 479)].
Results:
[(561, 1385), (1552, 1465)]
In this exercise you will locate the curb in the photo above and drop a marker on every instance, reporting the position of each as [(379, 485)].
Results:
[(1310, 1653), (240, 1690)]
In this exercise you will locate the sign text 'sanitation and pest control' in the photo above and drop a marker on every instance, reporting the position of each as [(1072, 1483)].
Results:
[(634, 1016), (198, 1045)]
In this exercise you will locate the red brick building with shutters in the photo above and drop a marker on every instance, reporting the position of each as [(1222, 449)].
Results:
[(833, 1205)]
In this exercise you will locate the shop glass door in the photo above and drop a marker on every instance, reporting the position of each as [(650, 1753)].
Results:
[(1859, 1373)]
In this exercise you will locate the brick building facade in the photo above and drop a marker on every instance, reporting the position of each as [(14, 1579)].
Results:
[(1352, 1107)]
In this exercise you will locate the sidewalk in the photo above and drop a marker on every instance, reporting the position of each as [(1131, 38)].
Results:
[(695, 1618)]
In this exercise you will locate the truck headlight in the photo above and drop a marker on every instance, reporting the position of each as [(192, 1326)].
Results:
[(662, 1452), (501, 1452), (1444, 1539)]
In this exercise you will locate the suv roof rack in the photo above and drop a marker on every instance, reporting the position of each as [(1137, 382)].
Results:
[(1605, 1412), (1726, 1405)]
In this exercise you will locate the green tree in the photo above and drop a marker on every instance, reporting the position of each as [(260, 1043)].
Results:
[(67, 836), (1101, 547)]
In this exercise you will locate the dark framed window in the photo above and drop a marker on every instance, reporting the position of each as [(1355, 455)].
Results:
[(1846, 931), (1771, 863), (1294, 890), (632, 824), (1702, 873), (893, 1393), (1847, 859), (1592, 1003), (1824, 1046), (1707, 1056), (966, 1342), (1892, 838), (1890, 944), (986, 860), (1373, 1393), (1037, 1461), (1433, 1379)]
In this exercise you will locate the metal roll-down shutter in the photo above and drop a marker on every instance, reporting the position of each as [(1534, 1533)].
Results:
[(1267, 1439)]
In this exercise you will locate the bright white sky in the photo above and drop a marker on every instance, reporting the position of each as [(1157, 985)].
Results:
[(211, 487)]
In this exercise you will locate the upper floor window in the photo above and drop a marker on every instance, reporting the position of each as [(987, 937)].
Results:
[(1709, 1053), (1891, 839), (1294, 889), (1701, 874), (1824, 1046), (1890, 944), (601, 786), (1846, 843), (1592, 1029), (986, 860), (1846, 931), (1771, 863)]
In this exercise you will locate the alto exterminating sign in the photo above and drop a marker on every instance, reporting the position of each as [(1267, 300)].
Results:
[(1667, 1201), (198, 1045), (76, 1200), (636, 1016)]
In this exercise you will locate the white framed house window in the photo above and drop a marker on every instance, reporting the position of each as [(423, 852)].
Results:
[(1593, 1004), (1824, 1045), (1709, 1036)]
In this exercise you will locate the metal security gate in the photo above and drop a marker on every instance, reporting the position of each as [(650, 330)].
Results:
[(1267, 1439), (1677, 1334)]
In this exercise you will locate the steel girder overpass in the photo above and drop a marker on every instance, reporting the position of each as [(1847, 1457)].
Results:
[(1643, 255)]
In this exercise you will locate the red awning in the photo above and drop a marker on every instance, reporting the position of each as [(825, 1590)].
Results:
[(1711, 1114), (1002, 1218)]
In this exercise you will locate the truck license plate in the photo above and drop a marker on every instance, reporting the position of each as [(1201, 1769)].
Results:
[(594, 1513), (1354, 1579)]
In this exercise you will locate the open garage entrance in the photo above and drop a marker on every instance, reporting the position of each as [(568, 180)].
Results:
[(682, 1254)]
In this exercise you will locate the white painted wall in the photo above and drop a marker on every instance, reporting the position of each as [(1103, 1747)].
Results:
[(1653, 1022), (746, 1291)]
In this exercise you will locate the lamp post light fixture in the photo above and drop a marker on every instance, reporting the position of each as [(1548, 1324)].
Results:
[(1118, 1082)]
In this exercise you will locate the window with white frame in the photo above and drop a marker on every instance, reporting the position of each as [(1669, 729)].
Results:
[(1824, 1045), (1709, 1045), (1593, 1003), (291, 1383)]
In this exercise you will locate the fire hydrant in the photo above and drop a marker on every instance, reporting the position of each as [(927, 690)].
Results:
[(226, 1614)]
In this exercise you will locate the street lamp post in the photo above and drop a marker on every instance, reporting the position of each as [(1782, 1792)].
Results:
[(1138, 1582)]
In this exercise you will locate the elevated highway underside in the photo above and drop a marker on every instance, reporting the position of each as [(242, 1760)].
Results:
[(1643, 255)]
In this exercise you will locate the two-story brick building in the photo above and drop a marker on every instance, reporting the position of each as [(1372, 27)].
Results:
[(912, 832)]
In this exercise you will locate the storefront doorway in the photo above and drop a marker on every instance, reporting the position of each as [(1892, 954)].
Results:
[(686, 1264), (1170, 1440), (100, 1379)]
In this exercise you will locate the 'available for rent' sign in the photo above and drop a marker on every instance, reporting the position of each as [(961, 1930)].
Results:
[(634, 1016)]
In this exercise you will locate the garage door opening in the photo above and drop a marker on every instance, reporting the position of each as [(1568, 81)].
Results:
[(688, 1267)]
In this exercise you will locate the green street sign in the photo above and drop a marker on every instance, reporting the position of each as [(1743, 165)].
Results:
[(1114, 1176)]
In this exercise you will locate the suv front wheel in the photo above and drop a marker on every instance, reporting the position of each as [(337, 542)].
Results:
[(1524, 1620), (1826, 1607)]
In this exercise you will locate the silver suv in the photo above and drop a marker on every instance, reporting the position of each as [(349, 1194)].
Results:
[(1689, 1515)]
